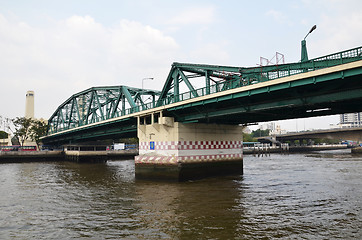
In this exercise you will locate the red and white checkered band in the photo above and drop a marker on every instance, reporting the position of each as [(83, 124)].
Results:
[(210, 158), (171, 152), (163, 145), (187, 159), (157, 159), (204, 145), (191, 145)]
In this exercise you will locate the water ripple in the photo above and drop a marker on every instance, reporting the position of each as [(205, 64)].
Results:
[(312, 196)]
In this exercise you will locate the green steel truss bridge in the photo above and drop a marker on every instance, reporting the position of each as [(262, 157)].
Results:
[(326, 85)]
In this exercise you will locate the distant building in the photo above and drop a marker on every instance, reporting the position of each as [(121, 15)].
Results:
[(274, 129), (351, 120), (278, 130), (29, 113), (29, 104), (267, 126), (6, 141), (246, 130)]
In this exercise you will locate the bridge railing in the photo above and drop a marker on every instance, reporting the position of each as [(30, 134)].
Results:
[(250, 76), (266, 74), (330, 60)]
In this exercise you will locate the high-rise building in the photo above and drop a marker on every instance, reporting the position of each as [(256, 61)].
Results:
[(29, 104), (351, 119)]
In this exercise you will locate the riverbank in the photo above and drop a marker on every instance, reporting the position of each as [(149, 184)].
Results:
[(357, 150), (75, 156), (292, 149), (103, 156), (317, 148), (36, 156)]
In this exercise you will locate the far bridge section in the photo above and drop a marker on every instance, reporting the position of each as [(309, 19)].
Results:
[(353, 134)]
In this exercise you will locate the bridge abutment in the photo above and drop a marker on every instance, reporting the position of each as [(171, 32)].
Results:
[(176, 151)]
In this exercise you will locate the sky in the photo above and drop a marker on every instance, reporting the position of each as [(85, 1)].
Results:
[(58, 48)]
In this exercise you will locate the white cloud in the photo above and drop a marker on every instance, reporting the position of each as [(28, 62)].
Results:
[(74, 54), (338, 25), (210, 53), (195, 15), (276, 15), (337, 33)]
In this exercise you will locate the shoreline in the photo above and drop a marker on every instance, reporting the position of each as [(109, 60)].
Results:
[(60, 155), (104, 156)]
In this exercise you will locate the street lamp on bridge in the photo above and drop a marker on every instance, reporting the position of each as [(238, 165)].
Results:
[(145, 79), (142, 85), (304, 54)]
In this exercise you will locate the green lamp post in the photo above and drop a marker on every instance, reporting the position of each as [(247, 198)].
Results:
[(304, 54)]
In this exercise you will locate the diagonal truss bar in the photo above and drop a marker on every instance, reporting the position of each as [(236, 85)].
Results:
[(189, 85), (128, 96), (99, 106)]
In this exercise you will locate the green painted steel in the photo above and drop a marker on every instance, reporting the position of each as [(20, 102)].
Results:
[(304, 52), (98, 104), (226, 77), (186, 81)]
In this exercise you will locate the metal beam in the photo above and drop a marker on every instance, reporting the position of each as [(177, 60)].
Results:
[(189, 85)]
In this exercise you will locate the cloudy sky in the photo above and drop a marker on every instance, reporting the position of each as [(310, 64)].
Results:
[(58, 48)]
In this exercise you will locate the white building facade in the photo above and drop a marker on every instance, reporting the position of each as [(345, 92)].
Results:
[(351, 119)]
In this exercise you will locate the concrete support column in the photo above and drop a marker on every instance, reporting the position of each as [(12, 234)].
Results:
[(175, 151)]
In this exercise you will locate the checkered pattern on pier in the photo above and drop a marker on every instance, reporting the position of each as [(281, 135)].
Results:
[(191, 145), (189, 151)]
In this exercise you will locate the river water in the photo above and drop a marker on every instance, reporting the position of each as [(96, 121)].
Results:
[(293, 196)]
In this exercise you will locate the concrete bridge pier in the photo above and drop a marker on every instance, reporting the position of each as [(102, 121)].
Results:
[(170, 150)]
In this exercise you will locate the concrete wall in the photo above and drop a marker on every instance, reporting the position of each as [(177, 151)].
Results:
[(170, 150), (166, 128), (171, 142)]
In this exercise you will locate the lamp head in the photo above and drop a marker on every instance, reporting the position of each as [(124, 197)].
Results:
[(313, 28)]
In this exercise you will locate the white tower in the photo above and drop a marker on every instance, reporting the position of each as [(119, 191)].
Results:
[(29, 104)]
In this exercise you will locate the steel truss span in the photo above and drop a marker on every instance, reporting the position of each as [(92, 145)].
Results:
[(199, 93), (98, 104)]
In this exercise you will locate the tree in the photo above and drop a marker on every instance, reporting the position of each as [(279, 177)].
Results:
[(260, 133), (15, 141), (3, 135), (248, 138), (38, 129), (326, 140), (4, 124), (22, 128), (29, 129)]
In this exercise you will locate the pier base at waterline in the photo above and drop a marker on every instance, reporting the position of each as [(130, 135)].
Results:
[(176, 151)]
